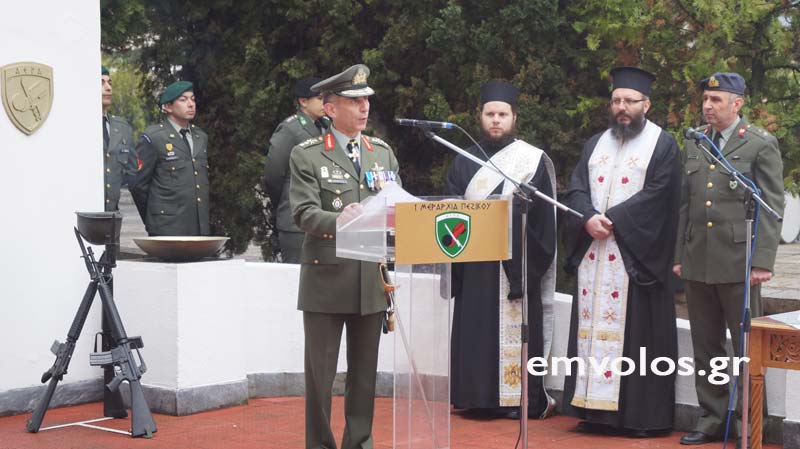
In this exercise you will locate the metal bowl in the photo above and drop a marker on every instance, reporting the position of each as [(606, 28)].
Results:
[(181, 248), (97, 227)]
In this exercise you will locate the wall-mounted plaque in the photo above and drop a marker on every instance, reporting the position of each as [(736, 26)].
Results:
[(27, 94)]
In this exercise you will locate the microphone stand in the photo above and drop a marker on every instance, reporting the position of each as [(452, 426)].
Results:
[(523, 193), (751, 196)]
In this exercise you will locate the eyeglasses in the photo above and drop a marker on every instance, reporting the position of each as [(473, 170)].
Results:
[(626, 101)]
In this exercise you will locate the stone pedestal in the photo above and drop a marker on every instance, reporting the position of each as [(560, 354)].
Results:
[(191, 317)]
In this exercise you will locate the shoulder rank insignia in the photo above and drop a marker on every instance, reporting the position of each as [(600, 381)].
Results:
[(309, 142), (379, 141), (146, 138), (330, 142)]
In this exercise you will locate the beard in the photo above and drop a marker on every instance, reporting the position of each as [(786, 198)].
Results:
[(494, 144), (626, 132)]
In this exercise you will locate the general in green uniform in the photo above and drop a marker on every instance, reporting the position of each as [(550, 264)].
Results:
[(119, 158), (331, 174), (171, 191), (710, 252), (308, 122)]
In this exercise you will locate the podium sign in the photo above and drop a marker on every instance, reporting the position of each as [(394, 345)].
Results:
[(452, 231)]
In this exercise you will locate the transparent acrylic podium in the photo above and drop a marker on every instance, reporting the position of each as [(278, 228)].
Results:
[(423, 309), (423, 304)]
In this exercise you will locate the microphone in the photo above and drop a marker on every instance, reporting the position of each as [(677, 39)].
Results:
[(423, 123), (691, 133)]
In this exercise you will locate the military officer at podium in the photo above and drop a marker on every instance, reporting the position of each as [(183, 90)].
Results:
[(119, 157), (331, 174), (171, 190)]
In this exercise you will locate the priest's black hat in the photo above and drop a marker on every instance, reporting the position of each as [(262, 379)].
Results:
[(632, 78), (499, 91)]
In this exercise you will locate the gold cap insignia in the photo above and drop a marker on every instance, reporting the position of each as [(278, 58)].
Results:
[(712, 82), (27, 94), (168, 146), (360, 77)]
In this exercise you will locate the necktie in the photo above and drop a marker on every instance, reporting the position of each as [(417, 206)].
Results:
[(354, 154), (105, 133), (186, 140), (716, 140)]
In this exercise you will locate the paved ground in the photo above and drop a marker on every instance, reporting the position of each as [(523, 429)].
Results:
[(277, 423)]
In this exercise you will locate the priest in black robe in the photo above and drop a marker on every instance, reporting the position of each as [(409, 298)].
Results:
[(476, 377), (636, 223)]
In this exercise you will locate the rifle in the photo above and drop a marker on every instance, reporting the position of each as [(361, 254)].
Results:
[(63, 353), (119, 358)]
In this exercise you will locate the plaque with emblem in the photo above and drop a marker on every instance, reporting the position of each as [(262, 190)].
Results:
[(27, 94)]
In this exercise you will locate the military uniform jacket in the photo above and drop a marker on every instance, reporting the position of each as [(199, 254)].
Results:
[(324, 181), (296, 129), (171, 190), (711, 228), (119, 161)]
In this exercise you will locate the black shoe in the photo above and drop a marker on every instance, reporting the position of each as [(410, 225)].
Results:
[(695, 438), (648, 433)]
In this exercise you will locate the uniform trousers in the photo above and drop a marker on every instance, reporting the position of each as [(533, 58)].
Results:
[(291, 244), (323, 333), (712, 308)]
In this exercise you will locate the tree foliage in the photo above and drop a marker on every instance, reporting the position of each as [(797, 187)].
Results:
[(428, 59)]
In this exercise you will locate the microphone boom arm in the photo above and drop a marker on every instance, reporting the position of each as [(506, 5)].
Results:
[(520, 186), (739, 181)]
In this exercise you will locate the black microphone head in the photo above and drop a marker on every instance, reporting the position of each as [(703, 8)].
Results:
[(691, 133)]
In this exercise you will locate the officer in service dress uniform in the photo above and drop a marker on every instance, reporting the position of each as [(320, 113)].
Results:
[(309, 121), (331, 174), (119, 157), (710, 251), (171, 191)]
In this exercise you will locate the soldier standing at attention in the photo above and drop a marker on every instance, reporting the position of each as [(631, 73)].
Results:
[(710, 251), (306, 123), (171, 191), (330, 175), (119, 159)]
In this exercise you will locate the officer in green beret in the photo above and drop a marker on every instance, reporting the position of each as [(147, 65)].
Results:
[(119, 158), (710, 251), (309, 121), (331, 174), (171, 191)]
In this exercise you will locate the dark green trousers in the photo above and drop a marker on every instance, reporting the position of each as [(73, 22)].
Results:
[(712, 309), (323, 334), (291, 244)]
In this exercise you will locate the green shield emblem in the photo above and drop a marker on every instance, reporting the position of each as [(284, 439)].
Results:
[(452, 232)]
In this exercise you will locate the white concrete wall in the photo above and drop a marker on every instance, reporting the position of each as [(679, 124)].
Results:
[(191, 318), (44, 178), (274, 326)]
